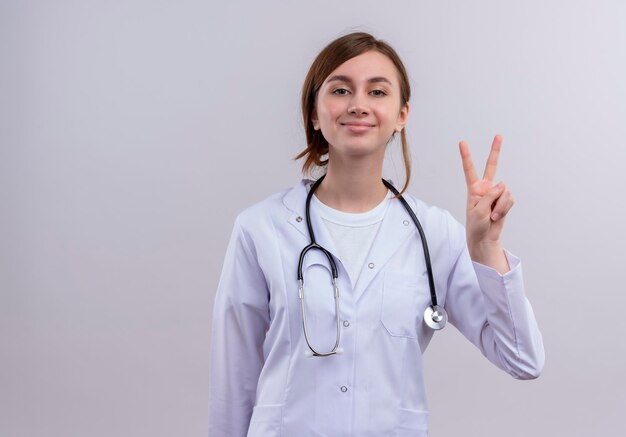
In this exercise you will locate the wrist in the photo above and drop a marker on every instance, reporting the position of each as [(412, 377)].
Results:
[(489, 253), (483, 245)]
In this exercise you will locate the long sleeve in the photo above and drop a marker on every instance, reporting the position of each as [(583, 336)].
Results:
[(492, 311), (240, 322)]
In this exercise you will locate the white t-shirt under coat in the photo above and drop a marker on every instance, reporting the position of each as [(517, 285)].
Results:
[(352, 233)]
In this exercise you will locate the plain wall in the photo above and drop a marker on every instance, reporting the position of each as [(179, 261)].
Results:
[(133, 132)]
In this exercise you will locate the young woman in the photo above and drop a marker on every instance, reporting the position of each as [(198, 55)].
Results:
[(331, 290)]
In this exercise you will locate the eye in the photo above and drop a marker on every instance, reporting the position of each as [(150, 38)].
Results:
[(379, 93), (340, 91)]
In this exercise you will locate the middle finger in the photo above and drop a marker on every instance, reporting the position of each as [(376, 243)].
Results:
[(492, 160)]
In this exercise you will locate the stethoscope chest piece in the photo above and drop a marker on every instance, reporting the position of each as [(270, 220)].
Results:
[(435, 317)]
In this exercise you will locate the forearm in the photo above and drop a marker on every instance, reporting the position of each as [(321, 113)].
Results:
[(512, 328)]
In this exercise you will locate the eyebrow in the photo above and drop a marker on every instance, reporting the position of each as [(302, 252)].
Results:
[(342, 78)]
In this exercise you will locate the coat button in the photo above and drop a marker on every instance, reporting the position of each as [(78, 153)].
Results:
[(344, 388), (405, 223), (298, 219), (346, 323), (371, 265)]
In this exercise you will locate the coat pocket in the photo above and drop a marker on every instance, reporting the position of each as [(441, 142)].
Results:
[(405, 296), (412, 423), (266, 421)]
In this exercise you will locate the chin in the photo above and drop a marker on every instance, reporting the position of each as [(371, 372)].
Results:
[(356, 150)]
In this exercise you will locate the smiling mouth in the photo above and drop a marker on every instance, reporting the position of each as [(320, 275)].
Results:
[(357, 128)]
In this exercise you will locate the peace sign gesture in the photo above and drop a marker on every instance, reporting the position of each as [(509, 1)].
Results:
[(487, 204)]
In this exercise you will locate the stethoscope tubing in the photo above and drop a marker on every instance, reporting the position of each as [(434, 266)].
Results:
[(434, 316), (313, 245), (429, 268)]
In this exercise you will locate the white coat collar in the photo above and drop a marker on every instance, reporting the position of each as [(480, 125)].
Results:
[(295, 201)]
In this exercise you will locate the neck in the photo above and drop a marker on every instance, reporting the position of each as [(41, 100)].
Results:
[(353, 186)]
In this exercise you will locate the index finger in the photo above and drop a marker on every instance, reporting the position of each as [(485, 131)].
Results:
[(468, 165), (492, 160)]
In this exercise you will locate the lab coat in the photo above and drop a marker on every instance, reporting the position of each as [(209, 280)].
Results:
[(263, 384)]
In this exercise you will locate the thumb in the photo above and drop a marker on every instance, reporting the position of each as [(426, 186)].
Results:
[(484, 205)]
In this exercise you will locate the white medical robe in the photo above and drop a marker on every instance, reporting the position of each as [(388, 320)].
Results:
[(262, 383)]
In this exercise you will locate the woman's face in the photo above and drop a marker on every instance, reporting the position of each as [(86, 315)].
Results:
[(358, 105)]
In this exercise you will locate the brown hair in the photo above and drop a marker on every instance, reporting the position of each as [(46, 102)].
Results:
[(331, 57)]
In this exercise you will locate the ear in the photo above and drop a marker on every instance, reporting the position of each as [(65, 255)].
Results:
[(314, 120), (402, 117)]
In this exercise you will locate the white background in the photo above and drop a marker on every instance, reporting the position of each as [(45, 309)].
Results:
[(133, 132)]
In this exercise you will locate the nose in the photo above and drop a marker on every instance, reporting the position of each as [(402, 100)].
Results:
[(357, 105)]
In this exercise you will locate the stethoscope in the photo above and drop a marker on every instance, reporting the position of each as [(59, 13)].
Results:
[(434, 316)]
